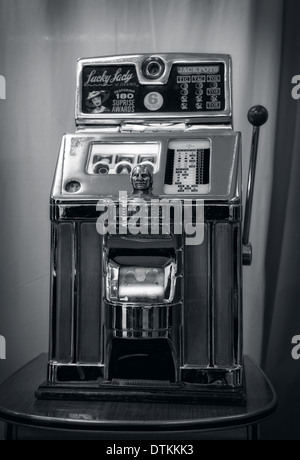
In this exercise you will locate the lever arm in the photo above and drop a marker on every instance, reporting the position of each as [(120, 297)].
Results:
[(257, 116)]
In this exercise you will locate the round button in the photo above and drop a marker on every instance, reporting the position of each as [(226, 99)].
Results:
[(153, 101), (73, 186)]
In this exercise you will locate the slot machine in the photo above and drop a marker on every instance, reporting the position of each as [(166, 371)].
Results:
[(148, 235)]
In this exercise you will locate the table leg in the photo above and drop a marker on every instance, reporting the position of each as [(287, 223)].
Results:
[(9, 432), (253, 432)]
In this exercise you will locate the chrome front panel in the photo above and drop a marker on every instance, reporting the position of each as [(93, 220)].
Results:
[(208, 319), (225, 178)]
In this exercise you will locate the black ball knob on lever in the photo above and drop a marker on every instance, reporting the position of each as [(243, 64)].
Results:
[(257, 116)]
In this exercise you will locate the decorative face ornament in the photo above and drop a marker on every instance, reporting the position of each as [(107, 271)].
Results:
[(142, 179)]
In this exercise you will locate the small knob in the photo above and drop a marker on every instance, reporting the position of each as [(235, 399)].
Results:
[(258, 115)]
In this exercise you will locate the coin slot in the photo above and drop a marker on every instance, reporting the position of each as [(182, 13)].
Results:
[(153, 68)]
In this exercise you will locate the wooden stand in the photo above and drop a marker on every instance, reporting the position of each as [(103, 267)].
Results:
[(27, 418)]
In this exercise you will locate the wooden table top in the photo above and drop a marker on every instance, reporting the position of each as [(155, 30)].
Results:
[(19, 406)]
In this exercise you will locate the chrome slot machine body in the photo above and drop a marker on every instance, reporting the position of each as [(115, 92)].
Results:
[(147, 251)]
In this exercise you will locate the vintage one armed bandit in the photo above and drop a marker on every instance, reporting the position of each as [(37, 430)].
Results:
[(147, 247)]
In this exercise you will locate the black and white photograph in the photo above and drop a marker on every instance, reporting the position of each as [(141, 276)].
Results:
[(150, 221)]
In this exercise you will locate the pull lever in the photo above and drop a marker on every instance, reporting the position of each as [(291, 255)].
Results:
[(257, 116)]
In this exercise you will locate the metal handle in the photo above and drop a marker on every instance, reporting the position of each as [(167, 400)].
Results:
[(257, 116)]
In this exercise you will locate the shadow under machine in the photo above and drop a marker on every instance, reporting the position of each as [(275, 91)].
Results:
[(147, 237)]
